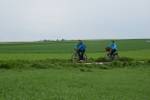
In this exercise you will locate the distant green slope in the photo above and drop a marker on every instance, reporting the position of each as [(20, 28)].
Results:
[(93, 46)]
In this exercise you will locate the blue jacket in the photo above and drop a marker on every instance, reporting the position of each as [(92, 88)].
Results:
[(113, 46), (81, 47)]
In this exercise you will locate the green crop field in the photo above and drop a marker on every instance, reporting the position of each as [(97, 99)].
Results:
[(64, 84), (138, 49), (44, 71)]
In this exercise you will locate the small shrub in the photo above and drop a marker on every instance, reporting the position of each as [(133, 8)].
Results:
[(148, 61), (39, 66), (89, 70), (117, 64), (102, 60), (85, 70), (5, 66), (126, 59), (57, 66), (104, 67), (82, 69)]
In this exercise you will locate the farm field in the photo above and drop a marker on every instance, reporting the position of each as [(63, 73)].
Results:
[(43, 71), (137, 49), (72, 84)]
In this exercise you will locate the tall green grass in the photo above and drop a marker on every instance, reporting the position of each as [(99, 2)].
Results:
[(64, 63), (75, 84)]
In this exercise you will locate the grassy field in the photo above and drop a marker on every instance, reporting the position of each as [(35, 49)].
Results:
[(137, 49), (42, 71), (73, 84)]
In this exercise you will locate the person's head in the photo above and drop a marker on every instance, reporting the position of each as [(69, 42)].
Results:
[(80, 41), (113, 41)]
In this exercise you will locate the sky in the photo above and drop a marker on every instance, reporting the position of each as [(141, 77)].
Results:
[(31, 20)]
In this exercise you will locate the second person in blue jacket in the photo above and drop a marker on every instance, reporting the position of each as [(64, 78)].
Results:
[(81, 48)]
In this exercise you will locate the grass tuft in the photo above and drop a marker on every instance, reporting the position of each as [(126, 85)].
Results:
[(5, 66)]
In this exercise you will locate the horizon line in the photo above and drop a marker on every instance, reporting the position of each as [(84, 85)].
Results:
[(63, 39)]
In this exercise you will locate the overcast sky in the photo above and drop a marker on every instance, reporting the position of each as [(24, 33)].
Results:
[(27, 20)]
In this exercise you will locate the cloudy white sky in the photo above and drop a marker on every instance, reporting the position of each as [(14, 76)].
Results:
[(27, 20)]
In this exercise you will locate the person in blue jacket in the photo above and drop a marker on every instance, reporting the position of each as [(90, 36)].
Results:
[(81, 48), (113, 47)]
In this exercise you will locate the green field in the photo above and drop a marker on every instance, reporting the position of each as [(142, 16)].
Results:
[(138, 49), (63, 84), (43, 71)]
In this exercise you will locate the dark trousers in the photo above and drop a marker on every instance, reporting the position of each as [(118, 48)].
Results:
[(112, 52), (81, 54)]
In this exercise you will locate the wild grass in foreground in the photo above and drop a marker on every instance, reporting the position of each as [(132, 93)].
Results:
[(55, 79), (75, 82), (60, 63)]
